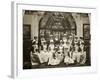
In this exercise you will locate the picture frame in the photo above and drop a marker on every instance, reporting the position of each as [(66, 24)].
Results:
[(86, 31), (17, 40)]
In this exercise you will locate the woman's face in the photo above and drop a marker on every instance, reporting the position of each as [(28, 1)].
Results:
[(65, 50), (61, 43)]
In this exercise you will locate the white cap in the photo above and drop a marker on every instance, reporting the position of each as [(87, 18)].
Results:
[(51, 35), (51, 40), (61, 40), (33, 40), (64, 34), (70, 36)]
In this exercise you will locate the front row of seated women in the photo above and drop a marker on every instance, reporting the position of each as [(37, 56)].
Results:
[(55, 54)]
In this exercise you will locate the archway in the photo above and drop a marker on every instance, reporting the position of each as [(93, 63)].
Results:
[(56, 23)]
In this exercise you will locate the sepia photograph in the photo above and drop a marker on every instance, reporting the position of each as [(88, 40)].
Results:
[(54, 39)]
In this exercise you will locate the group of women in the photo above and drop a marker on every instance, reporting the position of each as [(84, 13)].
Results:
[(68, 50)]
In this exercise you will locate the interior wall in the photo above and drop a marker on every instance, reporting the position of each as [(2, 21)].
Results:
[(34, 28), (80, 20), (27, 19), (33, 20)]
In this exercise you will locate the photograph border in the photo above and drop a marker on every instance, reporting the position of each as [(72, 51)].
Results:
[(16, 61)]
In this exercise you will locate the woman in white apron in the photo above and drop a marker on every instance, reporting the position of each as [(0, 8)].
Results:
[(57, 56), (55, 59), (68, 59), (51, 51)]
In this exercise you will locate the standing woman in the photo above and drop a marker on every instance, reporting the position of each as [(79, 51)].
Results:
[(71, 43), (51, 51), (61, 47), (56, 39), (83, 54)]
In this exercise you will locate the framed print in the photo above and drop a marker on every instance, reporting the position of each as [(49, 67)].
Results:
[(52, 40), (86, 31)]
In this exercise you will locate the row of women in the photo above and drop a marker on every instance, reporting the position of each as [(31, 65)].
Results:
[(66, 50)]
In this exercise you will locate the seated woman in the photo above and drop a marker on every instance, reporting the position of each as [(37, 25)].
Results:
[(83, 54), (54, 60), (34, 58), (57, 56), (76, 53), (43, 56), (60, 56), (67, 59)]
